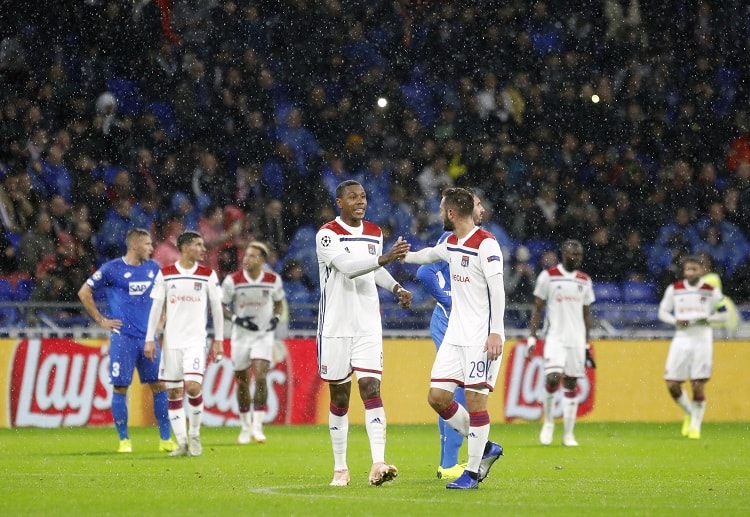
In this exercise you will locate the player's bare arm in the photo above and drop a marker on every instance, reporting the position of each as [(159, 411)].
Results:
[(397, 252), (534, 322), (404, 296)]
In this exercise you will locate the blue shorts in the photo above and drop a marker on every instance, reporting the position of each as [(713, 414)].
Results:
[(125, 355)]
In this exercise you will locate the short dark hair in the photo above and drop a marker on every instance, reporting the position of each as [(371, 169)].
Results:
[(341, 186), (460, 200), (186, 238), (135, 232), (571, 244)]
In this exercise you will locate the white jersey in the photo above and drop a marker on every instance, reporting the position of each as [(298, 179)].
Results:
[(691, 303), (566, 293), (253, 297), (472, 261), (349, 307), (188, 294)]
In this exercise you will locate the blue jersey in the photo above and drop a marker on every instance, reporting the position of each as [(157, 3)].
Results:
[(128, 291), (436, 279)]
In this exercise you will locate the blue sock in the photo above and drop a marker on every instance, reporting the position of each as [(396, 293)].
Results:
[(453, 439), (120, 414), (161, 413)]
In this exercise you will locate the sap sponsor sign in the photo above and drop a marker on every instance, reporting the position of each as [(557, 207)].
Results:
[(525, 386), (64, 382)]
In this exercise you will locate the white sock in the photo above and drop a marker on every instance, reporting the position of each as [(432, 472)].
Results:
[(338, 426), (696, 415), (547, 404), (477, 440), (195, 414), (246, 420), (375, 425), (258, 417), (684, 402), (570, 408), (177, 421), (460, 421)]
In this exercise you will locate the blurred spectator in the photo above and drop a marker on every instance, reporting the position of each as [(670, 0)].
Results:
[(166, 251), (601, 256), (37, 242), (724, 241), (215, 234), (111, 237), (678, 234), (271, 228), (8, 256), (519, 286), (632, 263)]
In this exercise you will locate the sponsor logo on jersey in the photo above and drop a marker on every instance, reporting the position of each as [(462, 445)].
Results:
[(138, 288)]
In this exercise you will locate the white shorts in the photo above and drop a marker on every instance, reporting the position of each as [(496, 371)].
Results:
[(570, 361), (689, 359), (178, 363), (338, 357), (465, 366), (252, 347)]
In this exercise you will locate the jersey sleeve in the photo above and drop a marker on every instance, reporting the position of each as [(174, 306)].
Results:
[(227, 290), (542, 285), (158, 292), (214, 300), (588, 295), (100, 277), (434, 278), (327, 246), (278, 290), (491, 257)]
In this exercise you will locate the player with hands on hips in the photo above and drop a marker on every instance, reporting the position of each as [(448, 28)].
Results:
[(472, 348), (691, 306), (567, 294), (188, 289), (252, 298), (127, 283), (350, 333)]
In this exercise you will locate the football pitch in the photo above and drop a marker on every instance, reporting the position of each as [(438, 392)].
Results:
[(619, 469)]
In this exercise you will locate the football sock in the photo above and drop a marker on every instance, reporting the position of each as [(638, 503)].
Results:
[(479, 432), (259, 414), (453, 439), (684, 402), (457, 417), (696, 415), (120, 414), (375, 424), (338, 426), (195, 414), (162, 415), (245, 417), (177, 420), (570, 408), (547, 404)]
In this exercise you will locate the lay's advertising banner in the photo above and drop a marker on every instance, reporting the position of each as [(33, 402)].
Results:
[(61, 382)]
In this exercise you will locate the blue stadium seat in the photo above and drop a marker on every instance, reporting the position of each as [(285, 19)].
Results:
[(639, 292), (24, 286), (607, 292), (537, 247), (8, 315)]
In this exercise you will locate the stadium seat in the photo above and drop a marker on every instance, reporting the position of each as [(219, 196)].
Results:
[(638, 292), (24, 286), (8, 315), (607, 292), (537, 247)]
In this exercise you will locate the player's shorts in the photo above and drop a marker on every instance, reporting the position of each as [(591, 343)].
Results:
[(338, 357), (570, 361), (252, 347), (689, 359), (126, 355), (465, 366), (177, 363)]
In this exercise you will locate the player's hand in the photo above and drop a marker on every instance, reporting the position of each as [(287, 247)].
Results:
[(530, 346), (246, 323), (217, 350), (110, 324), (590, 363), (494, 347), (273, 323), (149, 350), (397, 252), (404, 298)]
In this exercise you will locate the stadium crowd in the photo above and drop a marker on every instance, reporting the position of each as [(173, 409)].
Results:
[(621, 123)]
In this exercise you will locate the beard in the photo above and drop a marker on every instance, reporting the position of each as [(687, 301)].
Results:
[(448, 225)]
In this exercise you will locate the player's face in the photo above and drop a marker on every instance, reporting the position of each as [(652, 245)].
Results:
[(353, 204), (252, 260), (448, 225), (195, 250), (693, 272), (572, 258), (144, 247), (478, 213)]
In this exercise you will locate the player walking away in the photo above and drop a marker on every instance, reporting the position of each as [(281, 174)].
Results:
[(253, 300), (437, 280), (691, 306), (567, 294), (472, 348), (188, 289), (127, 283), (350, 334)]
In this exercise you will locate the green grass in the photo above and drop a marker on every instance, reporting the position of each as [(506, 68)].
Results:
[(620, 469)]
